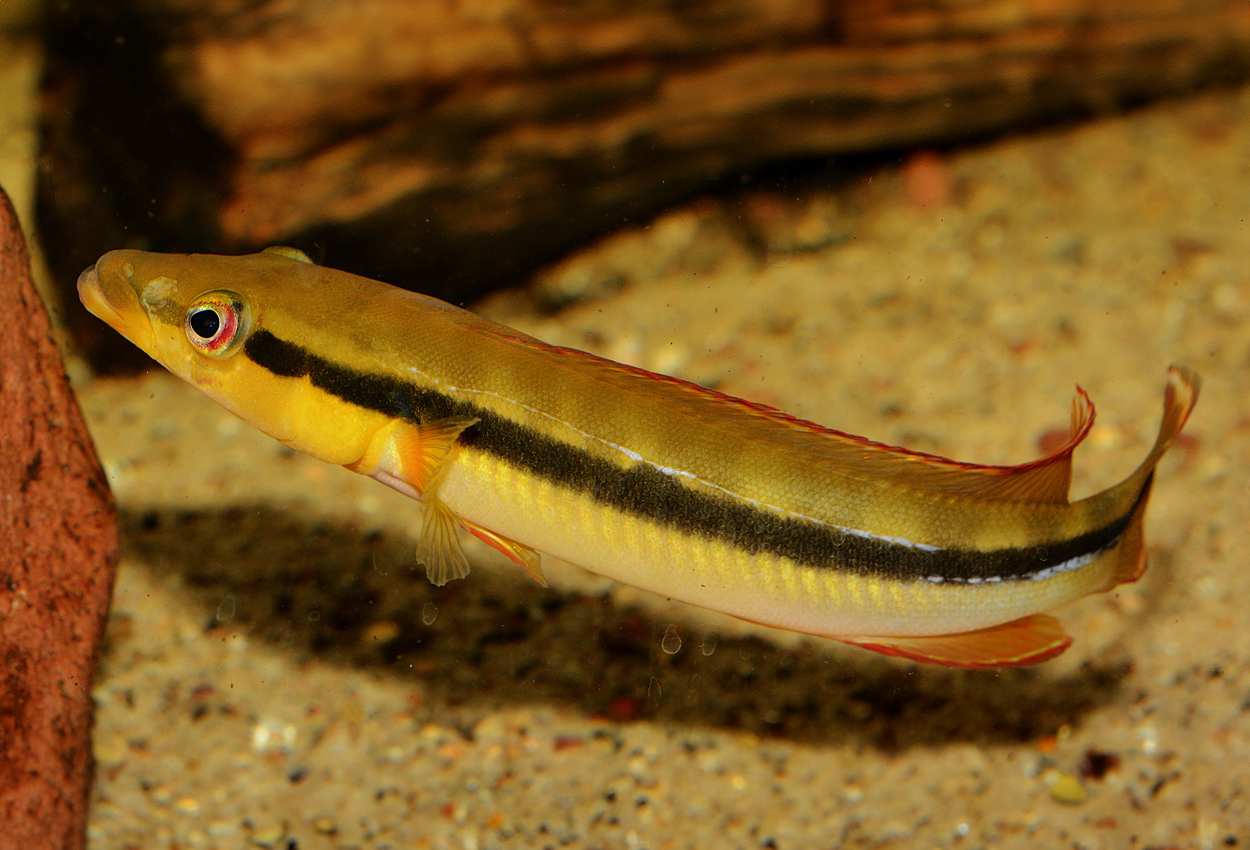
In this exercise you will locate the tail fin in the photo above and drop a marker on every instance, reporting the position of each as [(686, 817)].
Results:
[(1178, 401)]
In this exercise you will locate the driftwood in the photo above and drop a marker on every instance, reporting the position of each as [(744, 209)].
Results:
[(58, 559), (454, 144)]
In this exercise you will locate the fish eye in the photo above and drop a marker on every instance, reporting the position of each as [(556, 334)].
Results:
[(217, 322), (204, 322)]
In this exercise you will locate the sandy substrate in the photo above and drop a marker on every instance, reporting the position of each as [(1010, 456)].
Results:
[(279, 674)]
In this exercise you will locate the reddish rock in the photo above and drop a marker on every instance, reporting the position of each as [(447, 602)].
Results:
[(56, 571)]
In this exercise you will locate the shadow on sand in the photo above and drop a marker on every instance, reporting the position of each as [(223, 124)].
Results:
[(323, 589)]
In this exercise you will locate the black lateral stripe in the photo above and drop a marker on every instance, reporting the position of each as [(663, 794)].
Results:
[(278, 356), (643, 491)]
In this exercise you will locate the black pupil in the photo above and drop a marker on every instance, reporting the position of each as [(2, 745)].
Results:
[(205, 323)]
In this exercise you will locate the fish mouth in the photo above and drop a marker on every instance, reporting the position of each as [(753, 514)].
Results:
[(92, 297), (133, 327)]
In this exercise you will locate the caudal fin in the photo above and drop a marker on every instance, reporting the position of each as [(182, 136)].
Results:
[(1178, 401), (1179, 398)]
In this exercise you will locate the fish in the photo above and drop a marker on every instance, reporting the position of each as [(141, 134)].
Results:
[(650, 480)]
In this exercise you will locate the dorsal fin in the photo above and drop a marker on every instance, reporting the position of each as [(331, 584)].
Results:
[(1045, 480), (1042, 480)]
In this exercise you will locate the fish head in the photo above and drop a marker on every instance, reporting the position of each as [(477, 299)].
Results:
[(171, 306), (194, 314)]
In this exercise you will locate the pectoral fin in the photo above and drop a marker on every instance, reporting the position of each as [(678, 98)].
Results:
[(1029, 640), (414, 459), (425, 452)]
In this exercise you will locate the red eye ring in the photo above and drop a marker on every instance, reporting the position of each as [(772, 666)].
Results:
[(216, 322)]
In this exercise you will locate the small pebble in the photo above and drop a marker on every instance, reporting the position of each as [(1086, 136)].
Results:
[(1095, 764), (623, 709), (490, 728), (111, 751), (269, 836), (383, 631), (221, 828), (1064, 787), (927, 181), (894, 830), (567, 742)]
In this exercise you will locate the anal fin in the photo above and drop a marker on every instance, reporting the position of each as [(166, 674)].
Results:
[(1029, 640)]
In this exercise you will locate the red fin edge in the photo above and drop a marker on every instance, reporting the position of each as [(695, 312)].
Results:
[(1043, 480), (1029, 640)]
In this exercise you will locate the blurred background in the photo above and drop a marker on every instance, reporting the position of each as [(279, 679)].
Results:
[(455, 148), (918, 220)]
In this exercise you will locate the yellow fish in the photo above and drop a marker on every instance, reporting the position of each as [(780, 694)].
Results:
[(647, 479)]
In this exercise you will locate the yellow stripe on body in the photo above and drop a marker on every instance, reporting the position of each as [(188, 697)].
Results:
[(774, 591)]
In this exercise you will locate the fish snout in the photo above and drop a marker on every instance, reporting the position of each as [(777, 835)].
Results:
[(92, 297), (106, 289)]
